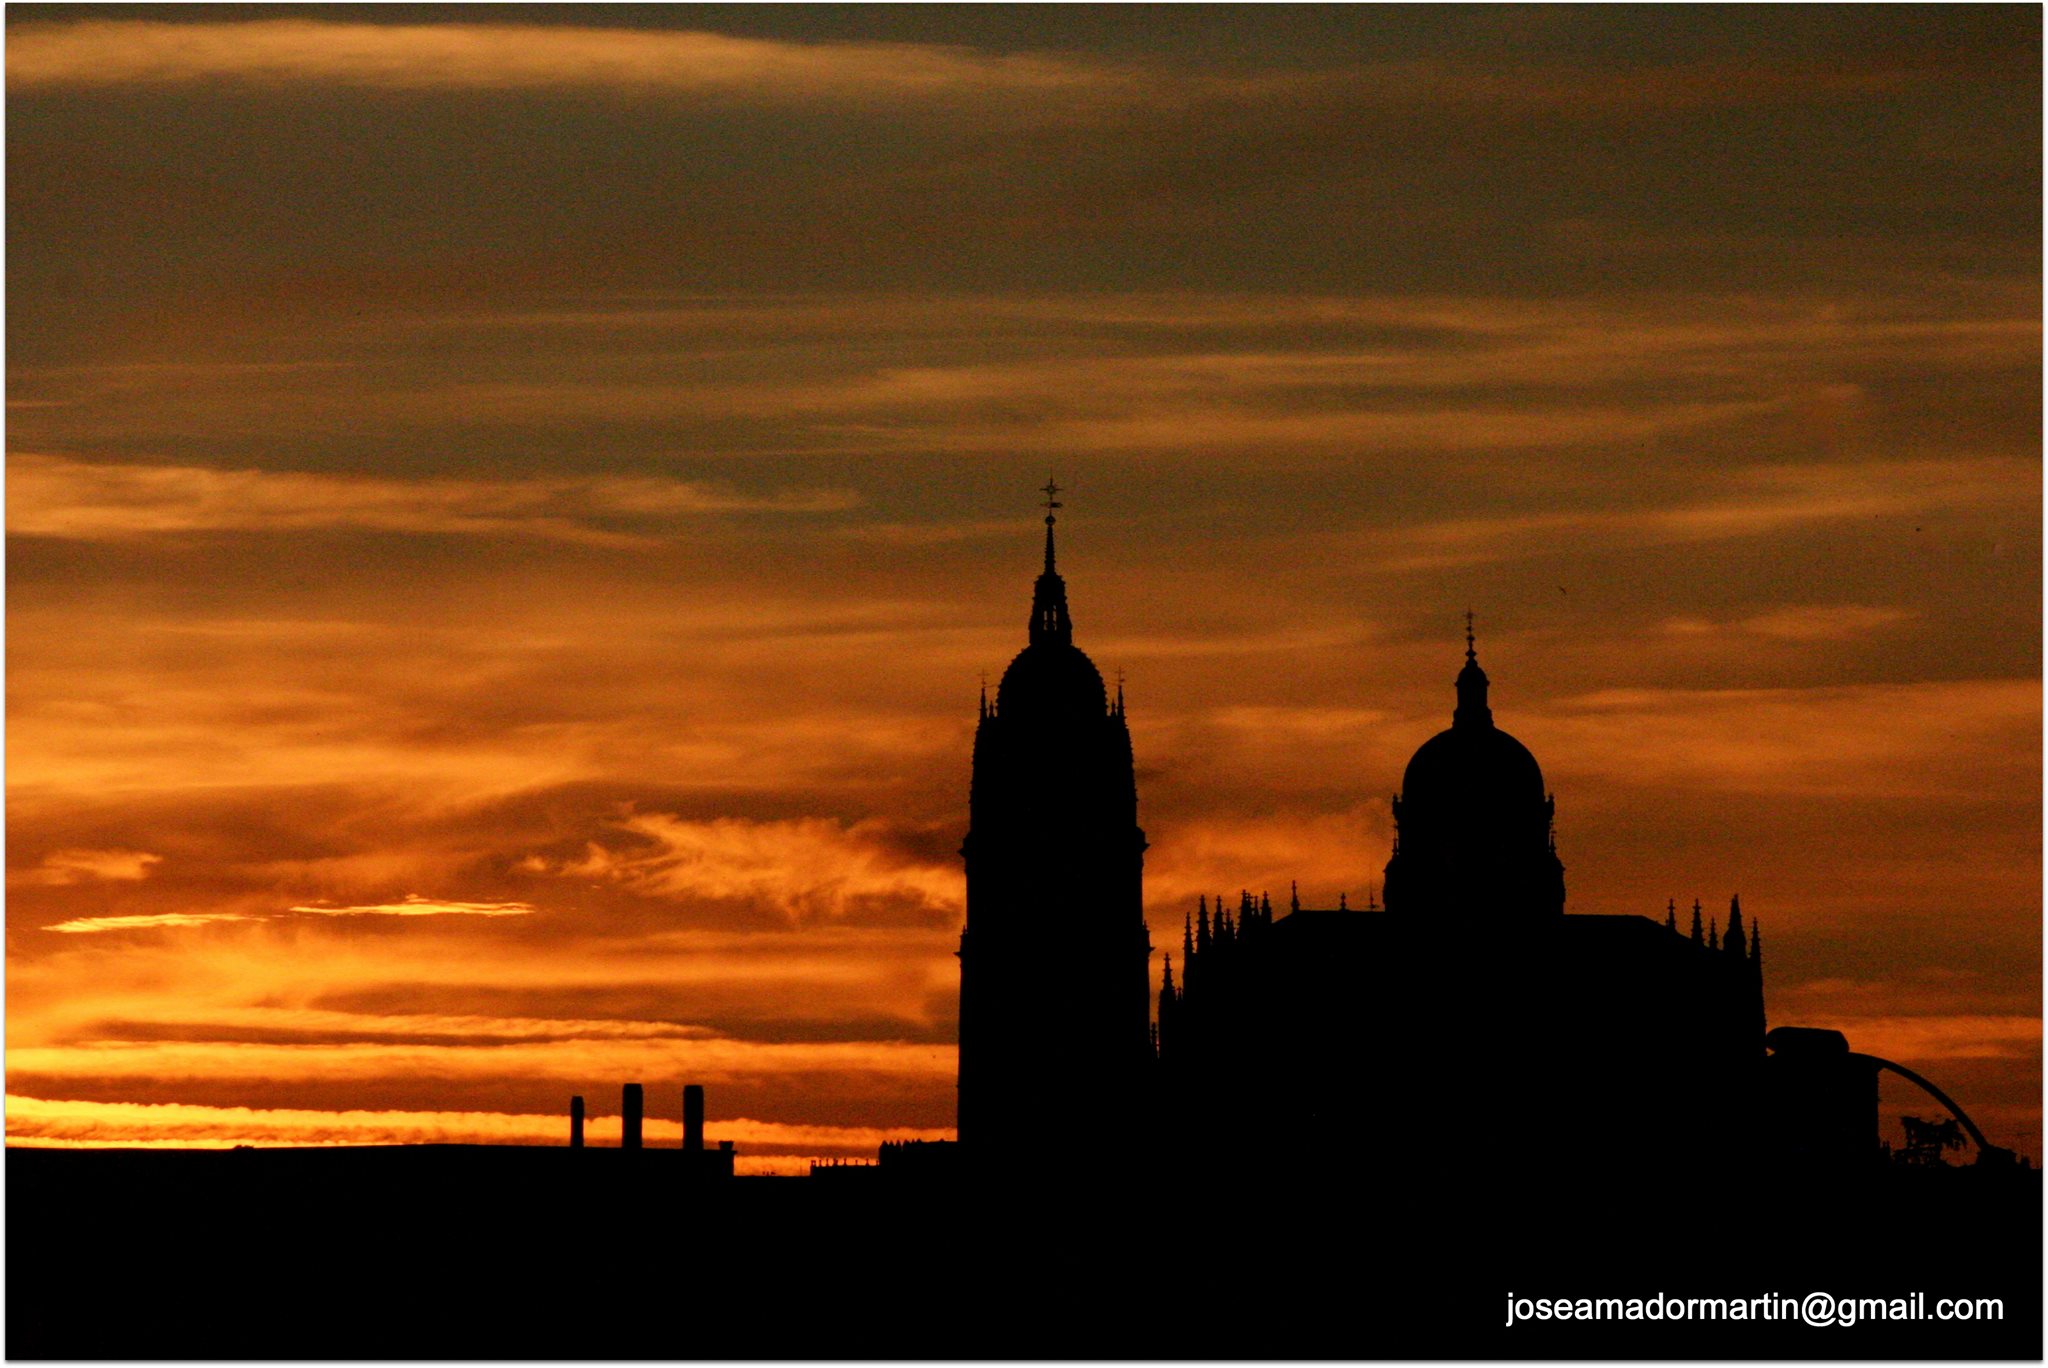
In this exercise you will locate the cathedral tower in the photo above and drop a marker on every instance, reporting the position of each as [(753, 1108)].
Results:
[(1055, 994)]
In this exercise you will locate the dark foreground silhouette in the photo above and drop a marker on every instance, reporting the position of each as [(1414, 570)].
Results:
[(453, 1251)]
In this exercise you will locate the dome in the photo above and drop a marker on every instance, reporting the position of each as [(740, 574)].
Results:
[(1472, 822), (1472, 766), (1051, 679)]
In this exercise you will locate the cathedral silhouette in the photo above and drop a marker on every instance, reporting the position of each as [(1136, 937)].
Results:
[(1468, 1021), (1348, 1133)]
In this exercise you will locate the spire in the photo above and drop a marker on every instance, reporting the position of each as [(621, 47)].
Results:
[(1713, 933), (1166, 987), (1734, 943), (984, 693), (1119, 691), (1671, 916), (1049, 620), (1187, 939), (1756, 946), (1293, 895), (1472, 710), (1697, 938), (1342, 906), (1202, 927)]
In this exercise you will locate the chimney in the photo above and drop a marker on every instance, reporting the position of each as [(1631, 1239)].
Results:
[(693, 1118), (575, 1123), (629, 1118)]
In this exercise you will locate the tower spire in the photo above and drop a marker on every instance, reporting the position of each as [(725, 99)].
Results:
[(1472, 710), (1052, 505), (1671, 916), (1697, 931), (1049, 619)]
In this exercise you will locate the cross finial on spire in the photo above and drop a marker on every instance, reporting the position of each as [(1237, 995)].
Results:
[(1471, 645), (1051, 491)]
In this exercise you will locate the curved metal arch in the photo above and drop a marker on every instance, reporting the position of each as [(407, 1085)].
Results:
[(1983, 1146)]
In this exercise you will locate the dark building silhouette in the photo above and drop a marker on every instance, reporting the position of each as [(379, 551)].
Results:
[(1055, 990), (1469, 1022), (693, 1118), (630, 1103), (698, 1160)]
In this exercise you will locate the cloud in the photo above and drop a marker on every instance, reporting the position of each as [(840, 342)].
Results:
[(57, 496), (414, 905), (807, 869), (1750, 502), (453, 1067), (514, 57), (62, 867), (1807, 622), (268, 53), (274, 1025), (1963, 739), (146, 921)]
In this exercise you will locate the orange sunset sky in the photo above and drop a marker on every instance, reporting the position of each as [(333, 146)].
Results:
[(508, 508)]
